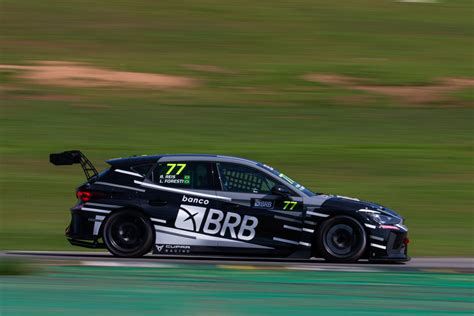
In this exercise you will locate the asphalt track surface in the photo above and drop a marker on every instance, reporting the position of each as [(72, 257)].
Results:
[(95, 283), (457, 263)]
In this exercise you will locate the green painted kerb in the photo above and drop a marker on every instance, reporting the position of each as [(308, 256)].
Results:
[(206, 290)]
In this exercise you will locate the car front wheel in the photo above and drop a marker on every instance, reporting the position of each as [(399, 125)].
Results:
[(341, 239), (128, 234)]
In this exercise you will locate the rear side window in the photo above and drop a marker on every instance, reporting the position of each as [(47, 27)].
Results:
[(142, 169), (182, 174)]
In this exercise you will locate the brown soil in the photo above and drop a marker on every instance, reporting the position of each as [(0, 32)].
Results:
[(71, 74), (410, 94)]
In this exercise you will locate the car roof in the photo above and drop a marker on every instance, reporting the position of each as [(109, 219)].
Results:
[(145, 159)]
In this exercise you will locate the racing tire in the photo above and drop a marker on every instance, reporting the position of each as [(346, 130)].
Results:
[(128, 234), (341, 239)]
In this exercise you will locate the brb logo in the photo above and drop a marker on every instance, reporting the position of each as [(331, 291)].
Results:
[(194, 218)]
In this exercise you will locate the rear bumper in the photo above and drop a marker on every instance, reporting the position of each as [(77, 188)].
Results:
[(84, 229)]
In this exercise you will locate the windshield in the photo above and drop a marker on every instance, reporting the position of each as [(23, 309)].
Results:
[(288, 180)]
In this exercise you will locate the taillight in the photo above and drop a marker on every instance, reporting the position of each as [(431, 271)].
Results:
[(84, 195)]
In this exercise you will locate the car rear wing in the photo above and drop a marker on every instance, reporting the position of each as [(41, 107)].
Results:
[(72, 157)]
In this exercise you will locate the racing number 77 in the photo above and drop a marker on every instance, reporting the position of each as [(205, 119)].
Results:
[(289, 204), (171, 166)]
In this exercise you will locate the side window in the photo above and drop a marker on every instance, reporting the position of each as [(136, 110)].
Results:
[(240, 178), (142, 169), (186, 175)]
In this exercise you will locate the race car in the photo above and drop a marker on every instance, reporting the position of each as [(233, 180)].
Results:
[(198, 205)]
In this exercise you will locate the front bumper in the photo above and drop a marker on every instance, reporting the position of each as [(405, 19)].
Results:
[(388, 245)]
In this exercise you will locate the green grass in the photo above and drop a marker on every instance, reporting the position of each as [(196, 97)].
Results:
[(209, 290), (416, 159)]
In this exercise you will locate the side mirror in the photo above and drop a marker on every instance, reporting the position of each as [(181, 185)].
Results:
[(280, 190)]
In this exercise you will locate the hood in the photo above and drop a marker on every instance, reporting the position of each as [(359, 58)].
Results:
[(353, 204)]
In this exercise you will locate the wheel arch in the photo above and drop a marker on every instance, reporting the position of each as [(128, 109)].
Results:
[(339, 212), (133, 208)]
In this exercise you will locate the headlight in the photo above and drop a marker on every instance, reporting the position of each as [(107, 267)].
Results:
[(385, 219)]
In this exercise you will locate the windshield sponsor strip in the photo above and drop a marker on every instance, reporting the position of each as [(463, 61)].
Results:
[(378, 246), (129, 173), (286, 241), (376, 238), (95, 210), (287, 219), (292, 228), (158, 220), (162, 188), (317, 214), (119, 186)]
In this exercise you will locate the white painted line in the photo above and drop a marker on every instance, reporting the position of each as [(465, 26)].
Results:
[(110, 263), (286, 241), (370, 226), (162, 188), (376, 238), (308, 230), (306, 244), (378, 246), (129, 173), (317, 214), (88, 209), (292, 228), (158, 220), (103, 205), (119, 186)]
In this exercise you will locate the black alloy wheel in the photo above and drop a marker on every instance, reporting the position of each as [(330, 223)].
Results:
[(341, 239), (128, 234)]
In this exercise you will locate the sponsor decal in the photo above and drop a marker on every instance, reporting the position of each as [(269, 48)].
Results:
[(263, 203), (190, 217), (216, 222), (173, 248), (292, 182), (195, 200)]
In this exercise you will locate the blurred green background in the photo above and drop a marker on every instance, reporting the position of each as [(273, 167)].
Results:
[(370, 99)]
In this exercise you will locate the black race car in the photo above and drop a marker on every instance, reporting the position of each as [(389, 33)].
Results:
[(219, 205)]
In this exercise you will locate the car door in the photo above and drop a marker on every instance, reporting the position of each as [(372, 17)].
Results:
[(276, 221), (179, 196)]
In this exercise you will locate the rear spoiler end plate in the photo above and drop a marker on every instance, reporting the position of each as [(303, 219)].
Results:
[(72, 157)]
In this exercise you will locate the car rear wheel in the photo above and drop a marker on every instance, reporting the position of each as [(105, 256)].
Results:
[(341, 239), (128, 234)]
